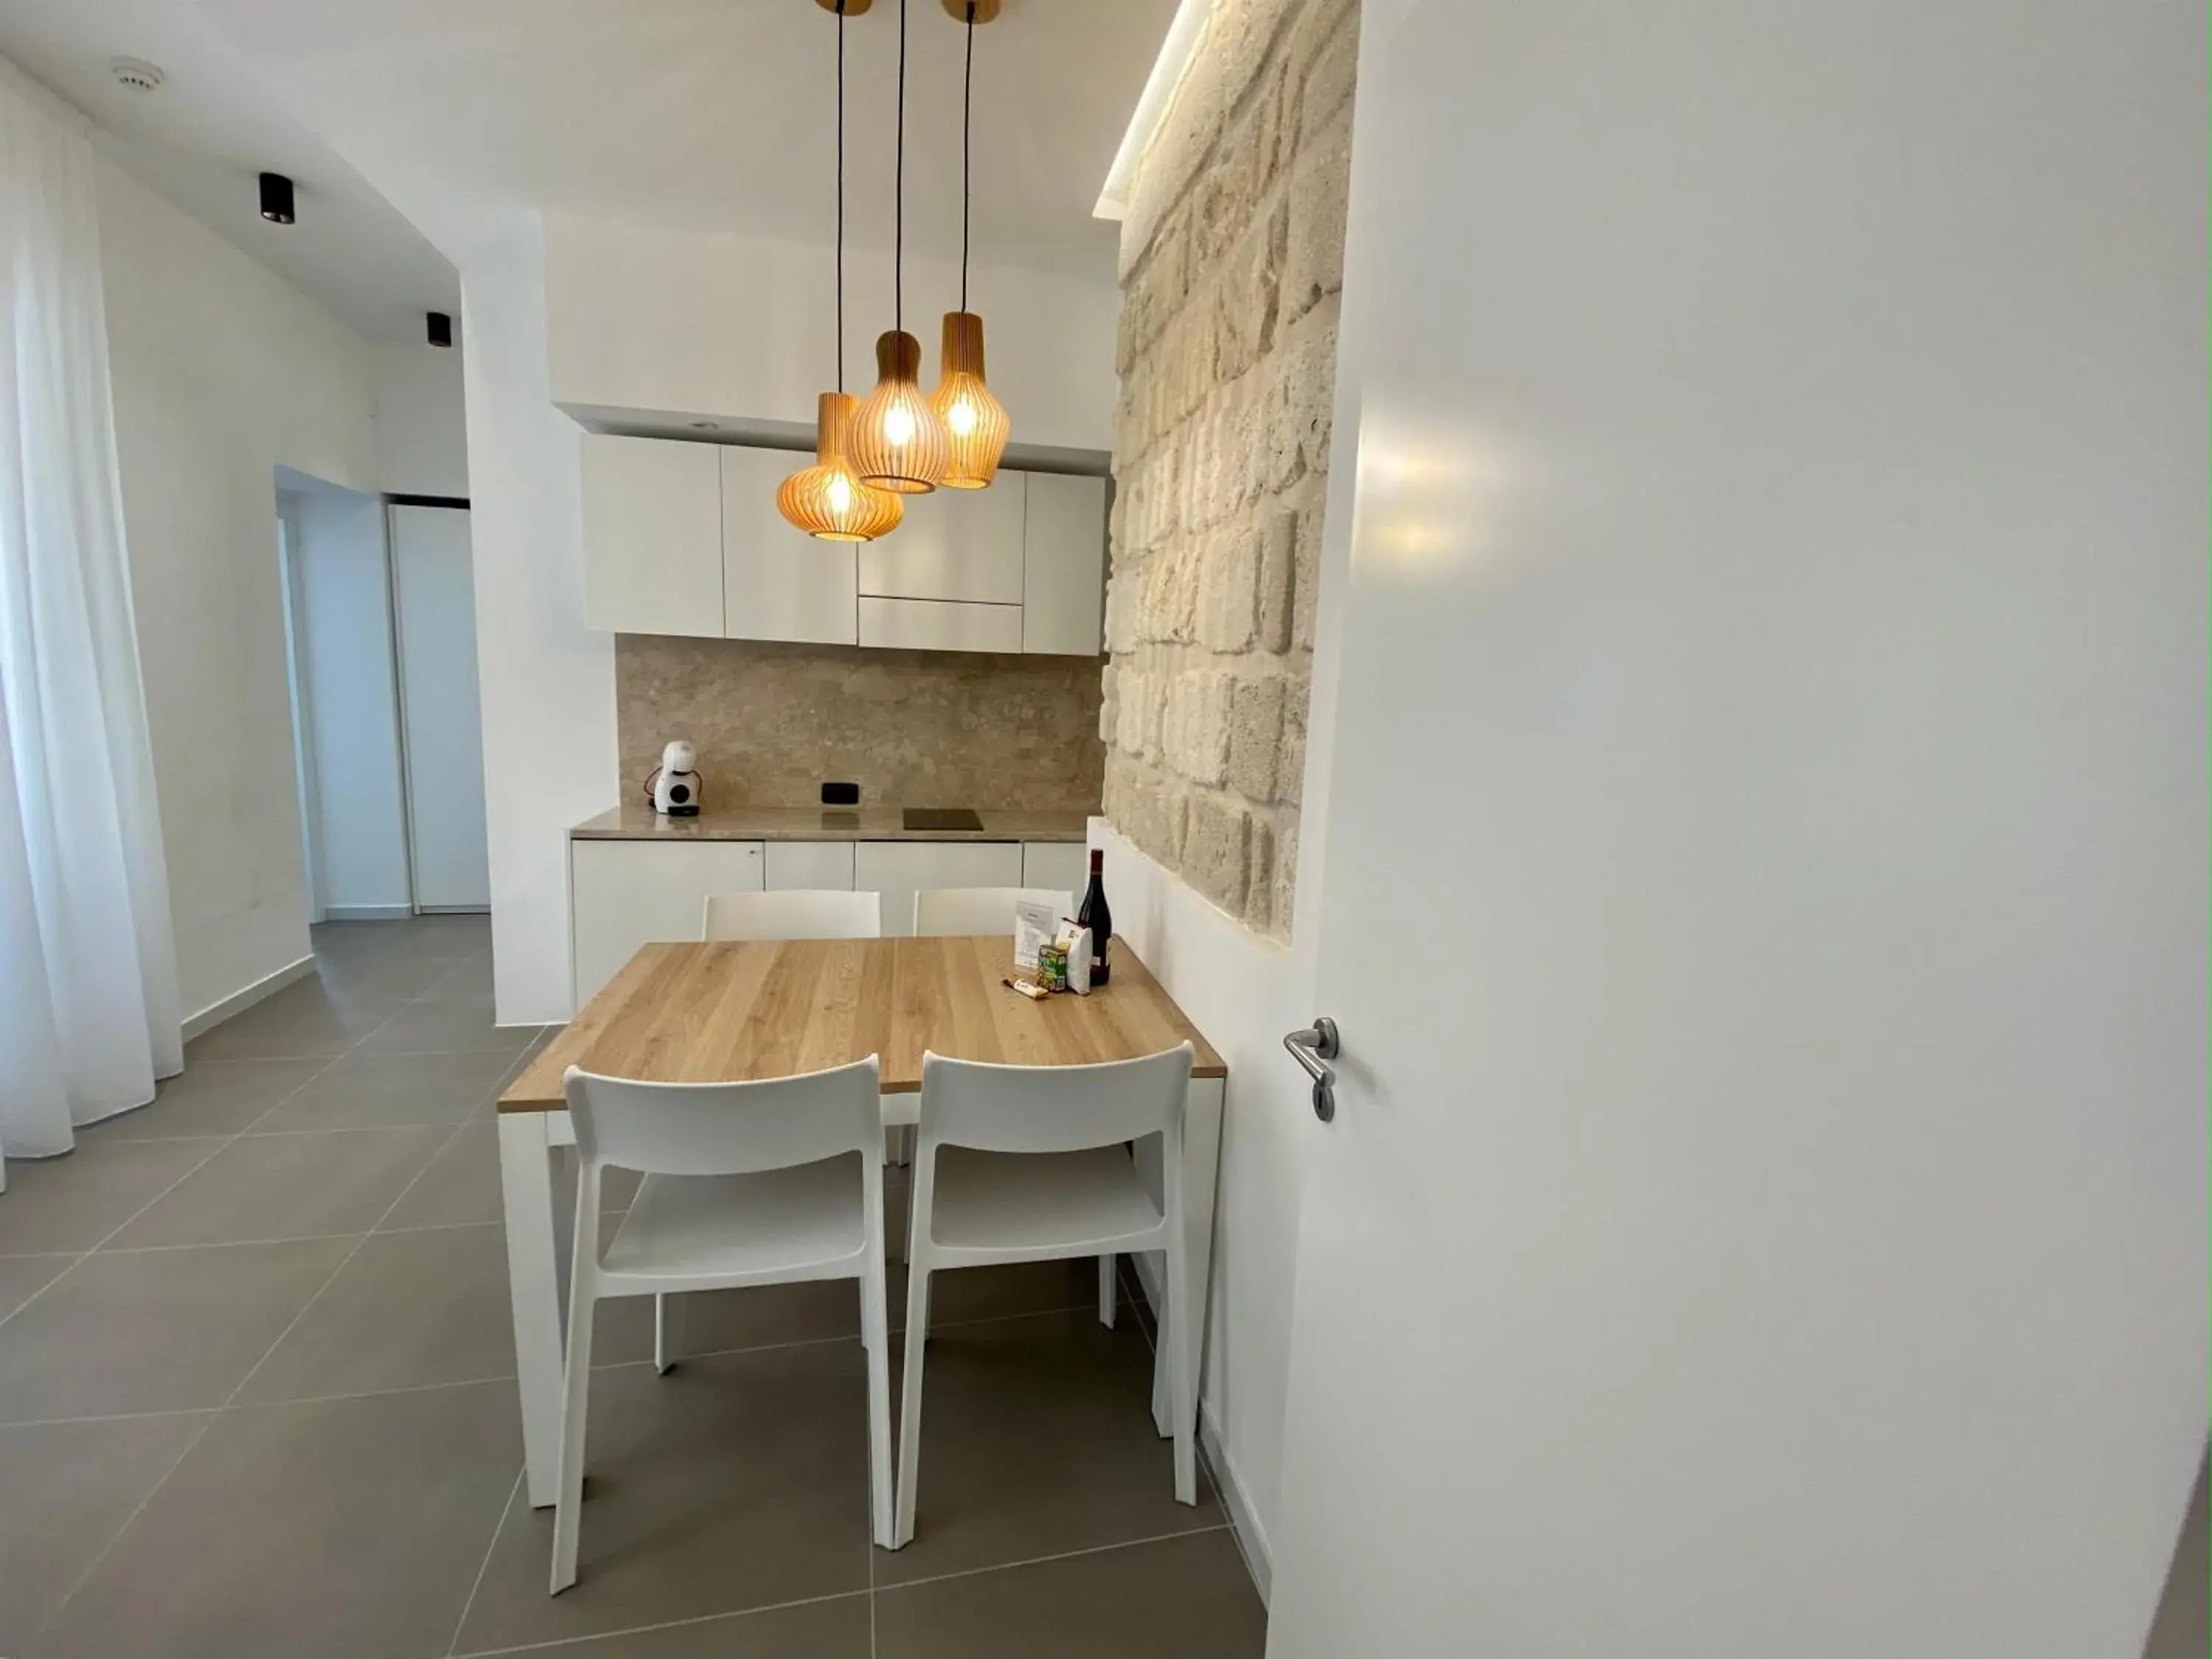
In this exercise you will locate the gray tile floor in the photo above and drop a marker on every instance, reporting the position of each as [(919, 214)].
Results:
[(256, 1398)]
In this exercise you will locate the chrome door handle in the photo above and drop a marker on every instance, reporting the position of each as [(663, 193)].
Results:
[(1311, 1048)]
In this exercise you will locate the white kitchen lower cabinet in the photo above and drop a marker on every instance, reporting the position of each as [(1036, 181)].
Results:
[(939, 625), (1064, 865), (623, 893), (899, 869), (809, 865)]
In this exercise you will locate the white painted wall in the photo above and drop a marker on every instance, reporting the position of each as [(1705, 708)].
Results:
[(1936, 565), (548, 683), (1243, 992), (347, 659), (222, 372), (741, 327), (421, 423)]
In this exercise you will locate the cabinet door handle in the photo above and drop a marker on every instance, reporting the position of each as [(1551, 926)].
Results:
[(1312, 1049)]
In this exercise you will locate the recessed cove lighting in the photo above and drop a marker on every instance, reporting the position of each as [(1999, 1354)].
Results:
[(277, 198), (137, 73), (1176, 51)]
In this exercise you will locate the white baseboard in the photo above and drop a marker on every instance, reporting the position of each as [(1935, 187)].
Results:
[(1243, 1524), (367, 912), (239, 1001)]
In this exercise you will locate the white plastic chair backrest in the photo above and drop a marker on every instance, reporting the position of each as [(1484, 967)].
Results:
[(827, 914), (1052, 1109), (725, 1129), (966, 912)]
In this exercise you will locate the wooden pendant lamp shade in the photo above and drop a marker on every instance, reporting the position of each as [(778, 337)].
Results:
[(899, 442), (976, 423), (829, 500)]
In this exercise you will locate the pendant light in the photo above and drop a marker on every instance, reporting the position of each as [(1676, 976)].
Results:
[(828, 499), (899, 442), (975, 420)]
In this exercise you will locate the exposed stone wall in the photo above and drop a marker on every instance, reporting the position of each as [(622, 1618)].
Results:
[(1232, 256)]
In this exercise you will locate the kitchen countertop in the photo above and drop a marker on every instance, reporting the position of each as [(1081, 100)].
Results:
[(636, 821)]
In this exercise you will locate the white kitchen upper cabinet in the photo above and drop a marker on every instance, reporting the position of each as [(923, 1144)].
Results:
[(653, 536), (954, 544), (1064, 566), (939, 625), (898, 869), (778, 583), (628, 893)]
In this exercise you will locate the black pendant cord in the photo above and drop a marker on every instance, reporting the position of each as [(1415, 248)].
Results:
[(898, 192), (967, 121), (841, 196)]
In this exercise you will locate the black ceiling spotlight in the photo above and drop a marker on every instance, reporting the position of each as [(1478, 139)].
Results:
[(277, 198), (441, 328)]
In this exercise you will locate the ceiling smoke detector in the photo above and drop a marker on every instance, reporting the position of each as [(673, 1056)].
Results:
[(137, 73)]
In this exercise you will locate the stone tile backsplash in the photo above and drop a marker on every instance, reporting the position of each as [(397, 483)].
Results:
[(912, 728)]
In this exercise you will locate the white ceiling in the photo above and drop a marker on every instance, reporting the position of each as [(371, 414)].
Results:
[(717, 114), (201, 140)]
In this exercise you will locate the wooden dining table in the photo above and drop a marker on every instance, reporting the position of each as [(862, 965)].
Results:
[(738, 1010)]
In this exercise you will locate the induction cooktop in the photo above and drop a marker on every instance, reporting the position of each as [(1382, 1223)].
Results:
[(940, 818)]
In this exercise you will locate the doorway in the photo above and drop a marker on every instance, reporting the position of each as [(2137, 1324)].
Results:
[(379, 623)]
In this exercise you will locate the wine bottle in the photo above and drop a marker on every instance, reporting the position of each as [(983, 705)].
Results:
[(1095, 915)]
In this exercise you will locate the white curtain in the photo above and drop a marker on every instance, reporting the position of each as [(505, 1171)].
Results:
[(88, 1015)]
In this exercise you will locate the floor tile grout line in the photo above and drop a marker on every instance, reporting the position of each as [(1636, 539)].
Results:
[(62, 1605), (1046, 1561), (263, 1405), (227, 1141), (645, 1629), (309, 1306), (498, 1526), (129, 1520), (937, 1326), (274, 1238)]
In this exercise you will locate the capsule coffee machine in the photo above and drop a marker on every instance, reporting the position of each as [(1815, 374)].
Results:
[(674, 785)]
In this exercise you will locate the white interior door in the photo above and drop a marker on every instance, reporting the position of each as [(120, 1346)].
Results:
[(1762, 876), (435, 600)]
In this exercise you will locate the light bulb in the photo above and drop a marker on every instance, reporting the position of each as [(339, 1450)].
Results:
[(898, 428), (840, 496), (961, 417)]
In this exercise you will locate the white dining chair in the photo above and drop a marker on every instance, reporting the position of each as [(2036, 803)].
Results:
[(789, 913), (1031, 1164), (773, 1182), (942, 912), (971, 912), (798, 914)]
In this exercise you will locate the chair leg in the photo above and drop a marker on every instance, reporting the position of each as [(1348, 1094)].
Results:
[(567, 1516), (663, 1360), (1106, 1291), (909, 1455), (1182, 1378), (1163, 1378), (875, 1323)]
